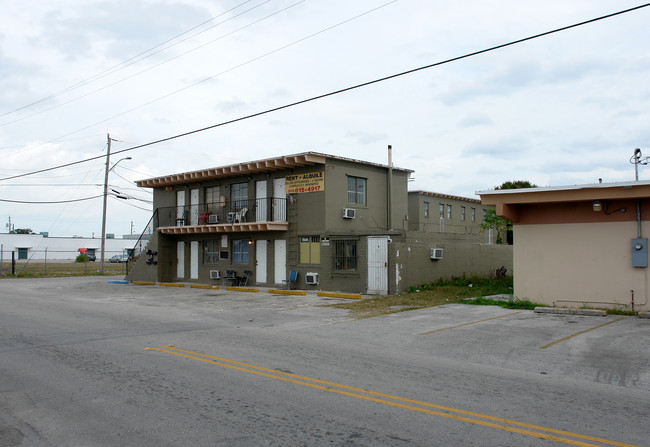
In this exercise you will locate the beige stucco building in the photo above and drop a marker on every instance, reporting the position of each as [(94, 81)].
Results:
[(581, 245)]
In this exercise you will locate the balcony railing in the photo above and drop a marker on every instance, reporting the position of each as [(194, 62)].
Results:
[(269, 209)]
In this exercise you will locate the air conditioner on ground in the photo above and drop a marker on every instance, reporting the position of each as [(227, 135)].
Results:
[(214, 274), (436, 253), (311, 278), (213, 219), (349, 213)]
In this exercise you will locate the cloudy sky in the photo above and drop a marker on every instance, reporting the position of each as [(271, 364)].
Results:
[(564, 109)]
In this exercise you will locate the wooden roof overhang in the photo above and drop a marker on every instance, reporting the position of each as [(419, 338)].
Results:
[(268, 165), (251, 227)]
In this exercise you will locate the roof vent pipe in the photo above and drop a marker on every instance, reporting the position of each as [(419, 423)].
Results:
[(389, 199)]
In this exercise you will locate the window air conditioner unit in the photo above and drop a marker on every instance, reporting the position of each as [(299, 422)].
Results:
[(214, 274), (311, 278), (349, 213), (213, 219), (436, 253)]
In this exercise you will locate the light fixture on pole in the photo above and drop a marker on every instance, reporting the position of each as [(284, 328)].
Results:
[(108, 156)]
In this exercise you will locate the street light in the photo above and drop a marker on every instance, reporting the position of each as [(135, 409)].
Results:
[(108, 156)]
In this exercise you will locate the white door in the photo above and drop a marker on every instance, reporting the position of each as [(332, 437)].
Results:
[(378, 265), (260, 202), (279, 201), (194, 207), (180, 260), (194, 260), (280, 260), (261, 248), (180, 205)]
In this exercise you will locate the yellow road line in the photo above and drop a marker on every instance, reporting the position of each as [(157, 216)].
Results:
[(579, 333), (461, 415), (467, 324)]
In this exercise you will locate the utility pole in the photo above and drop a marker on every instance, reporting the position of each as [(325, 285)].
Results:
[(108, 159)]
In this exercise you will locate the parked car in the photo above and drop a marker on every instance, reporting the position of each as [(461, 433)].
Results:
[(118, 258)]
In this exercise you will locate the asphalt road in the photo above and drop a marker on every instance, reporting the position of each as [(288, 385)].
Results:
[(88, 363)]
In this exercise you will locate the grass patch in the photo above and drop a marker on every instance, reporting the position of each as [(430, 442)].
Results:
[(515, 304), (429, 295)]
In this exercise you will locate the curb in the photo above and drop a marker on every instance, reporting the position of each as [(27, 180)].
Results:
[(288, 292), (566, 311), (644, 315), (352, 296)]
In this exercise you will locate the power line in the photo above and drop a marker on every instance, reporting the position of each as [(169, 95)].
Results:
[(161, 63), (187, 87), (51, 203), (131, 60), (343, 90)]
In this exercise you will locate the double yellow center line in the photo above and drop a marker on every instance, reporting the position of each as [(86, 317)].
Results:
[(508, 425)]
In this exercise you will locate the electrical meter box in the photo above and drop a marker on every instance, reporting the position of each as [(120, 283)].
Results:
[(640, 252)]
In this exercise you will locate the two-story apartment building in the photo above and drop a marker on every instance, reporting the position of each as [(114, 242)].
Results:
[(342, 224), (328, 216)]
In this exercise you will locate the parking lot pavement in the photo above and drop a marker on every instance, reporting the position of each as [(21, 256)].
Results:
[(610, 350)]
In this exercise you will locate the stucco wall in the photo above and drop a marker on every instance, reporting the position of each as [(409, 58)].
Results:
[(60, 248), (413, 265), (585, 262)]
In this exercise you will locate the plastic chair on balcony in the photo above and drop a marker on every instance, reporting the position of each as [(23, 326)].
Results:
[(240, 216), (203, 217), (293, 277)]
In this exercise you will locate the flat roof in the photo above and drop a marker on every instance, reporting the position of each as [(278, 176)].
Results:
[(444, 196), (265, 165), (570, 193)]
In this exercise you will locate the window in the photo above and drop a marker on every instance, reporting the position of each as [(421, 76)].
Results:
[(239, 195), (448, 212), (473, 214), (212, 200), (22, 253), (442, 211), (357, 190), (426, 209), (345, 254), (240, 251), (210, 251), (462, 213), (310, 250)]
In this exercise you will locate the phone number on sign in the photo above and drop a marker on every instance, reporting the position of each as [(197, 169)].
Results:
[(304, 189)]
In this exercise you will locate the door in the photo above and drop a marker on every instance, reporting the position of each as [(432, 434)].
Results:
[(194, 260), (280, 257), (260, 202), (180, 260), (194, 207), (261, 264), (279, 201), (378, 265), (180, 207)]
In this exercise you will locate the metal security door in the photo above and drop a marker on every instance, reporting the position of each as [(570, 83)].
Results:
[(261, 248), (194, 260), (280, 257), (180, 206), (279, 201), (194, 207), (378, 265), (260, 202), (180, 260)]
